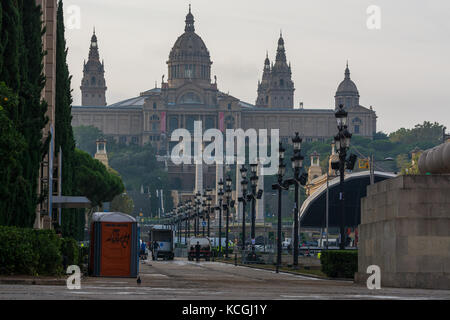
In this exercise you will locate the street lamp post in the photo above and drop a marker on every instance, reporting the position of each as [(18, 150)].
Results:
[(243, 199), (188, 212), (220, 198), (342, 141), (186, 222), (299, 179), (280, 186), (203, 217), (253, 196), (227, 208), (197, 214), (208, 203), (254, 183)]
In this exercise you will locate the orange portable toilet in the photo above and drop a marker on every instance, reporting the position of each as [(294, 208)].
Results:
[(114, 245)]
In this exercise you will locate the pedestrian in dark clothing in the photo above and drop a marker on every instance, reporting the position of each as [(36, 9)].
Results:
[(197, 251), (155, 250)]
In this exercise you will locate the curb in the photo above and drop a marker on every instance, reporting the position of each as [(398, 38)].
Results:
[(38, 282), (291, 272)]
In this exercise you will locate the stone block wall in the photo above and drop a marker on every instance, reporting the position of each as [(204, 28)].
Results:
[(405, 230)]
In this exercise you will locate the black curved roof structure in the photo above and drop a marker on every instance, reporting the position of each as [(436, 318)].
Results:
[(313, 211)]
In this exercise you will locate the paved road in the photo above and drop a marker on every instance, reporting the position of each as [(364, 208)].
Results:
[(181, 279)]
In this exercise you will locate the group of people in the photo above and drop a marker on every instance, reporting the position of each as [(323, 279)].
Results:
[(152, 246)]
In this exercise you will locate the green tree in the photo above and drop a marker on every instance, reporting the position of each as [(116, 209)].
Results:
[(94, 180), (21, 70), (72, 222), (9, 39), (86, 137), (12, 145), (32, 108), (122, 203)]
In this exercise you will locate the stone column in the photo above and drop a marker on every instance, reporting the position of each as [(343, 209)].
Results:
[(198, 178)]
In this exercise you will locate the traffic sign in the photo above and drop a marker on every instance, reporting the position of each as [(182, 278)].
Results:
[(363, 163), (204, 223)]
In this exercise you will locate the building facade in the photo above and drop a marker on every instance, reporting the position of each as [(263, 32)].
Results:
[(189, 94)]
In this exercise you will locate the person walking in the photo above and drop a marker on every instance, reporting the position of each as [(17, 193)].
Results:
[(155, 250), (197, 251)]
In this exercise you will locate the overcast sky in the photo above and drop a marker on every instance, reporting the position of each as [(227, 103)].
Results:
[(402, 69)]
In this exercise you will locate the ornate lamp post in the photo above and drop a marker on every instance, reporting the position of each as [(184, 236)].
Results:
[(243, 199), (280, 186), (179, 218), (253, 196), (299, 179), (198, 202), (227, 208), (203, 215), (220, 198), (188, 215), (342, 141), (208, 203)]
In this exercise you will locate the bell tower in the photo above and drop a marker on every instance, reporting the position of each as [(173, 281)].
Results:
[(276, 88), (93, 85)]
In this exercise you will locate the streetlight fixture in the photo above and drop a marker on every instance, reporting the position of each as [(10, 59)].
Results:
[(280, 186), (253, 195), (227, 208), (342, 141), (203, 215), (220, 198), (197, 213), (188, 217), (243, 199), (208, 203), (300, 178)]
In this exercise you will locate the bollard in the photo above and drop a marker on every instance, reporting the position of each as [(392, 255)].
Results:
[(235, 258)]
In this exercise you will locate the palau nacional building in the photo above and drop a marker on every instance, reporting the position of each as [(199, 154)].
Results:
[(191, 94)]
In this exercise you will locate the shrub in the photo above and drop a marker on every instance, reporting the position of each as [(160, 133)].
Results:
[(339, 263), (17, 254), (48, 245), (70, 251), (28, 251)]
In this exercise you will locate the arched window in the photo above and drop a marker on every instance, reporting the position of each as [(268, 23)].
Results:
[(154, 105), (281, 83), (93, 80)]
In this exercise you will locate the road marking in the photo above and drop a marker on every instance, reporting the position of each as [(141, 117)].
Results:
[(353, 296)]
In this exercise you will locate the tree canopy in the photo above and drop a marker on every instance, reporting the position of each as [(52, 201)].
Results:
[(94, 180)]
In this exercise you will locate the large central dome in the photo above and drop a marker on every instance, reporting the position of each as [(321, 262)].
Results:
[(189, 57), (347, 93)]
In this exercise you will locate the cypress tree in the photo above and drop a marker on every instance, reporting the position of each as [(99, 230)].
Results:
[(72, 220), (32, 109), (21, 70), (9, 40), (1, 44)]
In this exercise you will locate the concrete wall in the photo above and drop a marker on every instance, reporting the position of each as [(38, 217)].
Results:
[(405, 230)]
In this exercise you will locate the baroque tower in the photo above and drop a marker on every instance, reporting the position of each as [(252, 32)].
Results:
[(93, 85), (276, 88)]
